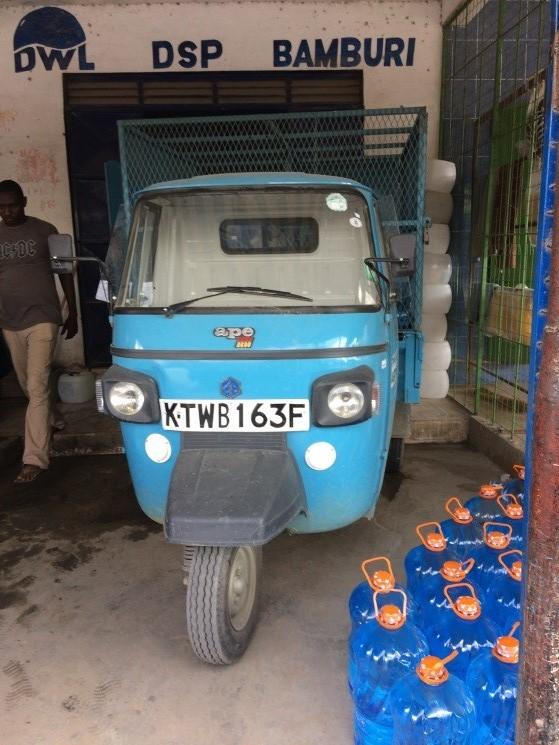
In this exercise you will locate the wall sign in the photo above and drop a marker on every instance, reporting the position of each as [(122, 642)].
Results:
[(50, 37)]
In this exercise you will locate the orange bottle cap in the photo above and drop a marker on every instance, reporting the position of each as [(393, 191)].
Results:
[(516, 570), (432, 670), (391, 617), (512, 509), (490, 491), (435, 540), (458, 513), (454, 571), (507, 649), (382, 580), (497, 538), (468, 607)]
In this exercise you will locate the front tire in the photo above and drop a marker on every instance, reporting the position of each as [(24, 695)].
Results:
[(222, 600), (395, 459)]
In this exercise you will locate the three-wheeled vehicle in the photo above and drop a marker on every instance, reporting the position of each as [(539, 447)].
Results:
[(255, 373)]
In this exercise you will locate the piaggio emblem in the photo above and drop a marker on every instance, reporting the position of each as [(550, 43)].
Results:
[(242, 335), (231, 388)]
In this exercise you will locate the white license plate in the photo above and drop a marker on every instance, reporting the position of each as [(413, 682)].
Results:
[(208, 415)]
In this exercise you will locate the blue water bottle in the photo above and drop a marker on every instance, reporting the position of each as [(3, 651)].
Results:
[(361, 608), (432, 707), (503, 605), (512, 513), (425, 561), (492, 679), (462, 533), (464, 627), (431, 598), (496, 539), (380, 653), (484, 507)]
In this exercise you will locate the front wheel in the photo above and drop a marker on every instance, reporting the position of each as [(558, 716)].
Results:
[(395, 459), (222, 599)]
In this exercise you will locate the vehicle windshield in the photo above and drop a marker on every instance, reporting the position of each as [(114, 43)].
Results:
[(305, 241)]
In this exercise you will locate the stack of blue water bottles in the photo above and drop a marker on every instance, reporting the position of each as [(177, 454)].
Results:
[(436, 662)]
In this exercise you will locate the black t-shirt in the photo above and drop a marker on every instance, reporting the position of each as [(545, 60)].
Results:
[(27, 291)]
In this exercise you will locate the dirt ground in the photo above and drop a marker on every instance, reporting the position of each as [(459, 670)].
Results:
[(92, 634)]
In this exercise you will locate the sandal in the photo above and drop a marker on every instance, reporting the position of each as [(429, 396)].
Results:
[(28, 474)]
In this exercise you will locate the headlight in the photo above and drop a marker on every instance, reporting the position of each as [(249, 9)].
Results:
[(126, 398), (345, 400)]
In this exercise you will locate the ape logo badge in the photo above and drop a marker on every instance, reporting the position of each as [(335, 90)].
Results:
[(52, 35), (243, 336)]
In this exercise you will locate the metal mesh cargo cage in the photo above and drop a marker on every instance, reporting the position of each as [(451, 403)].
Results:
[(384, 149)]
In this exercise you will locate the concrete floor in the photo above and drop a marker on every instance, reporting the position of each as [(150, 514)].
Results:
[(92, 635)]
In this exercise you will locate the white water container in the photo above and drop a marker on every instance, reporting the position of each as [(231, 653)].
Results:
[(438, 239), (436, 355), (437, 298), (441, 176), (434, 384), (438, 206), (437, 269), (433, 326), (76, 387)]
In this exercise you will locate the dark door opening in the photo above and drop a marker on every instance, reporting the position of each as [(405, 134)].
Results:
[(94, 103)]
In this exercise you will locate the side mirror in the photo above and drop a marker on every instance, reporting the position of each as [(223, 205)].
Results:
[(402, 246), (61, 253)]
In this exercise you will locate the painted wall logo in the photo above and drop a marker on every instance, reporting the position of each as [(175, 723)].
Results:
[(52, 36)]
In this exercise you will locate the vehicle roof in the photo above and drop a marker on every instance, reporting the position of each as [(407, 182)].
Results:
[(255, 179)]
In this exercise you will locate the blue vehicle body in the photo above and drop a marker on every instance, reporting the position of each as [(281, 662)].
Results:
[(291, 349)]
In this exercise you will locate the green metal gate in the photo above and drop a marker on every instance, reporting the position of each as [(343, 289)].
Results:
[(494, 61), (381, 148)]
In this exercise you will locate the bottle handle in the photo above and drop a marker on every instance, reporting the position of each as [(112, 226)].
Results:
[(505, 565), (514, 629), (468, 565), (369, 576), (506, 526), (503, 506), (420, 527)]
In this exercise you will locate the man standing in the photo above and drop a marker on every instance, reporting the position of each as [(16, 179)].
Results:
[(30, 315)]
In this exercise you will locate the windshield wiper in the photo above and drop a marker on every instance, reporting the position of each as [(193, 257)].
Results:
[(246, 289), (240, 289)]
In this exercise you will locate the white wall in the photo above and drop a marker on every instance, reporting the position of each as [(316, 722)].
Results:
[(119, 39)]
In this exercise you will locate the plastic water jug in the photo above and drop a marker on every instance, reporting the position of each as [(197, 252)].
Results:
[(432, 599), (463, 535), (512, 513), (361, 606), (438, 206), (432, 707), (437, 269), (380, 653), (492, 678), (434, 326), (437, 238), (503, 605), (463, 628), (437, 298), (434, 384), (76, 387), (496, 539), (441, 175), (484, 506), (437, 355), (426, 560)]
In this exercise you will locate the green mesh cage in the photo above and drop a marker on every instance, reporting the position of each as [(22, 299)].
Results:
[(381, 148)]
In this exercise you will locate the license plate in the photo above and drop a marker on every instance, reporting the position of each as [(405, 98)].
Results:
[(208, 415)]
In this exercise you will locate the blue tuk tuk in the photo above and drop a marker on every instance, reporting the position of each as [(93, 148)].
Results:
[(255, 373)]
